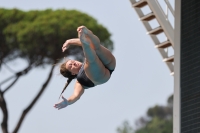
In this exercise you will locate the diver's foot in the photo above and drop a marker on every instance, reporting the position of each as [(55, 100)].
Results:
[(83, 28), (83, 38)]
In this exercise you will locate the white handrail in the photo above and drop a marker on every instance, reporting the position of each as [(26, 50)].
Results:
[(169, 6), (166, 11), (160, 15), (167, 51), (161, 18)]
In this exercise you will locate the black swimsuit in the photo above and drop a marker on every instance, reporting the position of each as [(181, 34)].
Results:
[(84, 80)]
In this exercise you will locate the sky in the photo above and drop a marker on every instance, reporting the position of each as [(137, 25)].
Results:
[(141, 79)]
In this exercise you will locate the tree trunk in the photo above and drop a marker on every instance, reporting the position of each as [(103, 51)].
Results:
[(4, 123), (25, 112)]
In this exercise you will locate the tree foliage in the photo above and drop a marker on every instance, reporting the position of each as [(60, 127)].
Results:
[(125, 128), (157, 125), (37, 37), (158, 120)]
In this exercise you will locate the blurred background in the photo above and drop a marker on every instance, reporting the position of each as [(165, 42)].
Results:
[(137, 98)]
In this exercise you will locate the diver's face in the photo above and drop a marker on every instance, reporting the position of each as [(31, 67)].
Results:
[(73, 66)]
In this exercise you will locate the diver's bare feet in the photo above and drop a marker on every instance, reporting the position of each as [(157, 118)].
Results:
[(83, 37), (84, 29)]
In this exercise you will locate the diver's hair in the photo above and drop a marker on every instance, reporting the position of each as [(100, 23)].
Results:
[(68, 82), (66, 73)]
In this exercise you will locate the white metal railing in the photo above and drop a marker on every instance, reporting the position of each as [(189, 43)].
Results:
[(162, 19), (152, 11), (168, 8)]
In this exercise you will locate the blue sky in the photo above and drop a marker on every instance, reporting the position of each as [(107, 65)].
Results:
[(140, 80)]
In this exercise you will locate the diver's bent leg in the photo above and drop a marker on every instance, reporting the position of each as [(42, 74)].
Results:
[(93, 38), (106, 57), (94, 68), (103, 53), (90, 54)]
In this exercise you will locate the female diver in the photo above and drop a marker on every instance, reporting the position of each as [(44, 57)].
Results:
[(97, 68)]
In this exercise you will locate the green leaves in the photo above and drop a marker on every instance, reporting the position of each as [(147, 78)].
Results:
[(159, 120), (161, 112), (39, 35), (157, 125), (125, 128)]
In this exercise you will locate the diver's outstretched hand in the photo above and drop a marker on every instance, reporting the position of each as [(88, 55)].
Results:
[(62, 104)]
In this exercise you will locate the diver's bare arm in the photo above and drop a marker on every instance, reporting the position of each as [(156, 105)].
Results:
[(78, 91), (75, 41)]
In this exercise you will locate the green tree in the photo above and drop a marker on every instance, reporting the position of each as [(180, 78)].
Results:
[(158, 120), (157, 125), (37, 37), (125, 128)]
